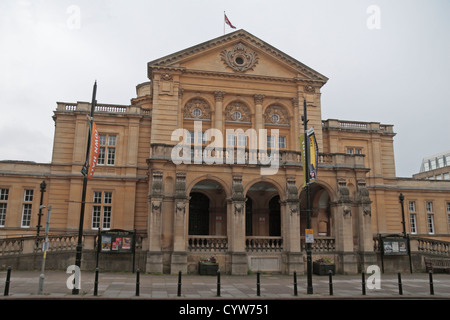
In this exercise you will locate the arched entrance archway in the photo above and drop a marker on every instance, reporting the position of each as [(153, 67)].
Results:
[(263, 216), (207, 209), (321, 219)]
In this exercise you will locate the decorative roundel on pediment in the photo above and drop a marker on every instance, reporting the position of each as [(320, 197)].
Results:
[(237, 112), (240, 59), (197, 108), (276, 114)]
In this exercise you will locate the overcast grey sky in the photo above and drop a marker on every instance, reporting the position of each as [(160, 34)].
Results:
[(387, 61)]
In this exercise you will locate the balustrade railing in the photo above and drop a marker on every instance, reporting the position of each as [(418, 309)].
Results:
[(264, 244), (431, 246), (321, 244), (208, 243)]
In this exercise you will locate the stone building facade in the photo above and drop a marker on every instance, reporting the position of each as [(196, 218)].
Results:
[(235, 192)]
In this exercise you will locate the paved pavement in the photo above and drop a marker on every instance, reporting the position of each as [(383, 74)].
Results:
[(160, 295), (25, 284)]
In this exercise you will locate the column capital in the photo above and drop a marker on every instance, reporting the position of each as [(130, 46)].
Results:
[(259, 98), (218, 95)]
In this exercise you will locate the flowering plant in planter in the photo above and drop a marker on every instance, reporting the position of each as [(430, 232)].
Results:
[(208, 266), (324, 260), (210, 260), (322, 266)]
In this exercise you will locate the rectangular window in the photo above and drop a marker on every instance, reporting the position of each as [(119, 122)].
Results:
[(231, 140), (430, 222), (271, 142), (429, 206), (28, 195), (26, 215), (4, 193), (448, 207), (107, 151), (412, 206), (413, 223), (2, 214), (102, 209), (26, 208), (448, 220)]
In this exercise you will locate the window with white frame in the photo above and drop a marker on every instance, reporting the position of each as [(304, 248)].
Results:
[(281, 142), (429, 206), (26, 208), (107, 151), (412, 206), (4, 194), (101, 210), (430, 223), (413, 223)]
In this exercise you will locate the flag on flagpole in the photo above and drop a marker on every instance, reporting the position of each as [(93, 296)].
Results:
[(228, 22)]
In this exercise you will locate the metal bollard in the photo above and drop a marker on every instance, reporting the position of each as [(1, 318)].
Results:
[(431, 283), (179, 284), (295, 283), (400, 286), (137, 282), (218, 282), (8, 280), (96, 282), (363, 276), (330, 278), (258, 284)]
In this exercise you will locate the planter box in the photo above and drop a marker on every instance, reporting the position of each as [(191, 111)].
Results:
[(208, 268), (323, 269)]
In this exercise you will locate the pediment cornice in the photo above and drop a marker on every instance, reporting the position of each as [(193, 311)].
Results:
[(174, 60)]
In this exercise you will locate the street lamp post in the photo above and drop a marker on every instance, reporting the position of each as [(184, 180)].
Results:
[(401, 197), (309, 289), (43, 185), (84, 171)]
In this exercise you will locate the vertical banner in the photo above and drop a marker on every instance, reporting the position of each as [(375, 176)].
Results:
[(310, 143), (95, 148), (313, 155)]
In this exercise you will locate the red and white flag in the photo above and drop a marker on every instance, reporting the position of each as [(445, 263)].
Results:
[(228, 22)]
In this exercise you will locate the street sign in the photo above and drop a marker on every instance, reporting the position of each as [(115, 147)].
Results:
[(309, 236)]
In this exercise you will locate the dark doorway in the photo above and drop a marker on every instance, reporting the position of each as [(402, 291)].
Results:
[(274, 217), (198, 214), (248, 217)]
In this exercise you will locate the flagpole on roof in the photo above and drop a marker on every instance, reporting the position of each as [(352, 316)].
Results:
[(224, 15)]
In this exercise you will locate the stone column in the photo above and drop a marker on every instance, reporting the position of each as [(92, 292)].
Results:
[(343, 224), (218, 97), (297, 123), (236, 229), (365, 234), (259, 98), (155, 201), (180, 226), (291, 229)]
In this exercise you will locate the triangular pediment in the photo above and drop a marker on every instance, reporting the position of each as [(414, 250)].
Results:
[(238, 53)]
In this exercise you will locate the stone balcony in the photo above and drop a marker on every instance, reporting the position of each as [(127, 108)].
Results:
[(103, 108), (255, 157)]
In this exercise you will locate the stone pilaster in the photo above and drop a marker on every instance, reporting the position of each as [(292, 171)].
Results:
[(365, 235), (218, 122), (181, 208), (259, 98), (343, 224), (155, 201), (236, 238), (291, 228)]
